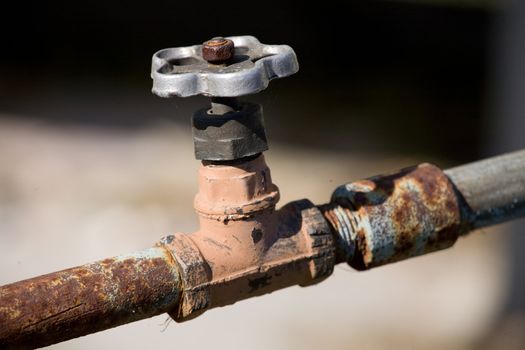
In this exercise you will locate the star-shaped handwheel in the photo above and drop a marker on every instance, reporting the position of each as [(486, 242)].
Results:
[(183, 71)]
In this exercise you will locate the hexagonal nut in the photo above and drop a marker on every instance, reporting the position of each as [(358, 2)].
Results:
[(195, 274), (218, 50)]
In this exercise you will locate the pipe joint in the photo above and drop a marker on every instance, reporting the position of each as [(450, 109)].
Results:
[(245, 247), (388, 218)]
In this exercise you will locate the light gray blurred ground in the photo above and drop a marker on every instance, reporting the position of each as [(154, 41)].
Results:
[(73, 195)]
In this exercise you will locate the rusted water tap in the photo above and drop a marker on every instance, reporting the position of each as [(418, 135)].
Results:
[(244, 247)]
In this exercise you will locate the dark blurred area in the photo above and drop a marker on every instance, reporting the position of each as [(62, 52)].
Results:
[(375, 76)]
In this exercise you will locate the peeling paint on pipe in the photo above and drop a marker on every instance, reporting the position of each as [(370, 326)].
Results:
[(377, 221), (67, 304), (422, 209), (388, 218)]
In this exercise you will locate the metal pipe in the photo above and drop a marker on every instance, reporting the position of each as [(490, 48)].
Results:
[(67, 304), (493, 189), (422, 209), (393, 217), (376, 221)]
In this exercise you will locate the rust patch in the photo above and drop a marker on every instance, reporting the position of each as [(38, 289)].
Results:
[(410, 213), (86, 299), (217, 50)]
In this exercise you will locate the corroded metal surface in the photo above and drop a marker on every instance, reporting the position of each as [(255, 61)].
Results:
[(246, 248), (86, 299), (195, 274), (217, 50), (219, 268), (393, 217)]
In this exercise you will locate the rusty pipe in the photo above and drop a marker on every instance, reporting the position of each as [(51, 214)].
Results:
[(372, 222), (244, 248), (389, 218), (67, 304), (422, 209), (180, 276)]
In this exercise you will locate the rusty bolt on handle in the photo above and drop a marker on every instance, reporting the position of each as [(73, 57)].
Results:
[(217, 50)]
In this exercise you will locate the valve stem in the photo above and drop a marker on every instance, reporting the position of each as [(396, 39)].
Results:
[(223, 105)]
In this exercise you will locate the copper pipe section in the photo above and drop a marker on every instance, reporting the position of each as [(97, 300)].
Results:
[(245, 247), (389, 218), (67, 304)]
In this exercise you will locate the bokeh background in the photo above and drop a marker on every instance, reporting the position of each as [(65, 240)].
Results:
[(92, 165)]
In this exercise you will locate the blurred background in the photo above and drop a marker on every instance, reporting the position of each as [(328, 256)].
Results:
[(93, 165)]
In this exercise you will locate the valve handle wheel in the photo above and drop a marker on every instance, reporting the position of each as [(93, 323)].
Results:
[(216, 69)]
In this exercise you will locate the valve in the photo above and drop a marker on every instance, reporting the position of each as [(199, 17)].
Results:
[(244, 245), (223, 69)]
